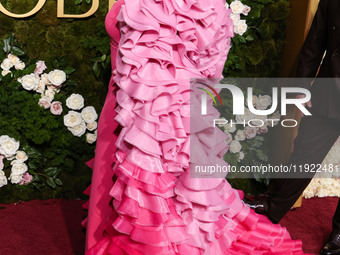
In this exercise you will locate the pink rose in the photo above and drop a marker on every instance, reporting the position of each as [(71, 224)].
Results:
[(250, 132), (246, 10), (2, 162), (26, 178), (262, 130), (44, 102), (40, 67), (56, 108)]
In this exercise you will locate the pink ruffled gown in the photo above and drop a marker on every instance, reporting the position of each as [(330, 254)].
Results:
[(142, 199)]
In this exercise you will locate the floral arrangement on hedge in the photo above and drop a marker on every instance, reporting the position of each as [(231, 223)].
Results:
[(327, 183), (33, 117)]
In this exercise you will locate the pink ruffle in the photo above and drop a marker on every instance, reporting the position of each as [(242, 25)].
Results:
[(159, 208)]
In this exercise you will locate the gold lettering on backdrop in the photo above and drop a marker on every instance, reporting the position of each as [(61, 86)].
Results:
[(39, 5), (61, 14)]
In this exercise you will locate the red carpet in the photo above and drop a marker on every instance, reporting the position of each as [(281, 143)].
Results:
[(50, 227), (312, 223), (53, 227)]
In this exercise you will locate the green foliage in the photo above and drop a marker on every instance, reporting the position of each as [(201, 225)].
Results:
[(44, 36), (258, 52)]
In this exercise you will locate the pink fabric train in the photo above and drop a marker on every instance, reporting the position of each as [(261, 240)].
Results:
[(142, 199)]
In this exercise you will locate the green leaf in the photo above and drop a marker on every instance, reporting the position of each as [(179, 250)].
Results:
[(259, 138), (261, 156), (77, 2), (7, 79), (69, 70), (17, 51), (96, 69), (249, 38), (2, 54), (51, 170), (31, 152), (18, 73), (88, 1), (50, 182), (31, 165), (7, 45), (11, 39), (30, 69), (103, 58), (242, 40), (58, 182)]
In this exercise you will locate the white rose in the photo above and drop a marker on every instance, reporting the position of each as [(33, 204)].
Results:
[(240, 156), (92, 126), (228, 138), (250, 132), (6, 64), (240, 135), (75, 102), (30, 82), (226, 5), (54, 88), (44, 102), (41, 87), (5, 72), (254, 100), (90, 138), (8, 146), (44, 79), (49, 94), (240, 27), (237, 7), (3, 179), (21, 156), (230, 128), (248, 115), (57, 77), (15, 161), (235, 18), (20, 65), (72, 119), (246, 10), (235, 146), (15, 179), (19, 168), (78, 130), (14, 59), (263, 102), (89, 114)]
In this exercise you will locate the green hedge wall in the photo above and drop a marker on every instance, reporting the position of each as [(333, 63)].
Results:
[(78, 41)]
